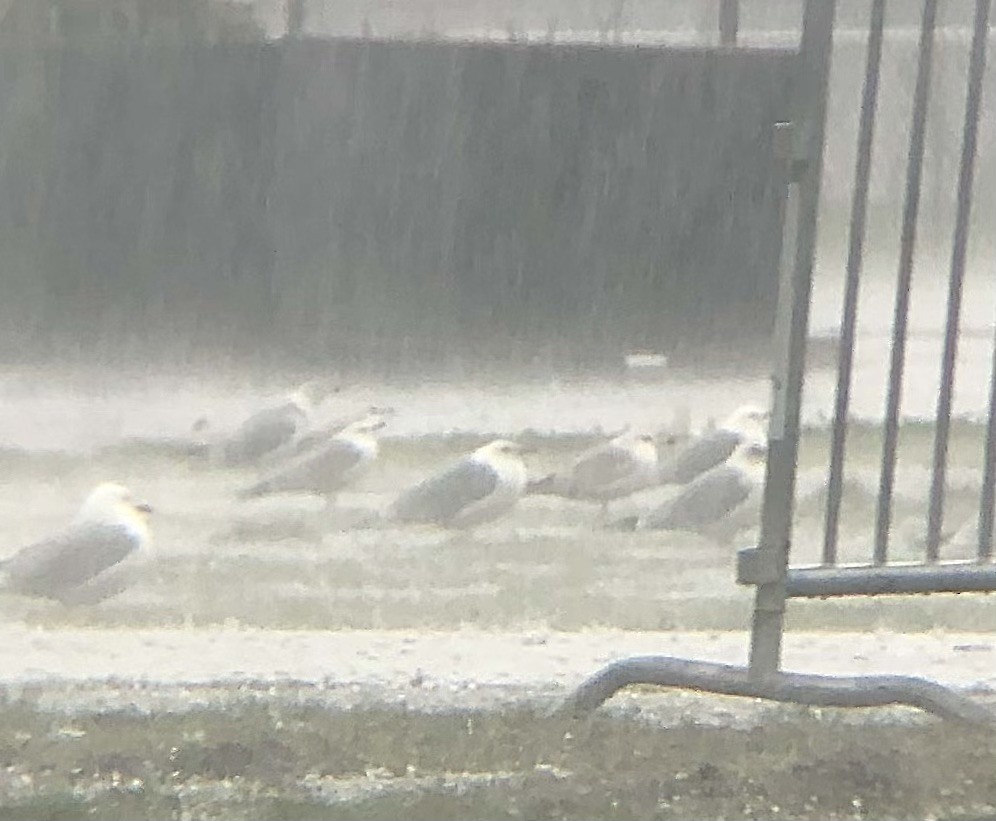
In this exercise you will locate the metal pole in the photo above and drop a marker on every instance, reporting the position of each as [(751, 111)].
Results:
[(729, 22), (966, 178), (894, 580), (988, 498), (914, 169), (859, 209), (809, 116), (294, 13)]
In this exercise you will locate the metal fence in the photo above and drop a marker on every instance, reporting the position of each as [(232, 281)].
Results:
[(767, 567)]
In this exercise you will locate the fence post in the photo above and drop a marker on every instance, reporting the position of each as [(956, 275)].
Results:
[(294, 13), (806, 139), (729, 22)]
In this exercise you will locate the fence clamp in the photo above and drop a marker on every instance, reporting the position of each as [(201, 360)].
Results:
[(756, 566)]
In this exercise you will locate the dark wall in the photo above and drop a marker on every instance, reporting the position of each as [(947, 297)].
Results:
[(373, 203)]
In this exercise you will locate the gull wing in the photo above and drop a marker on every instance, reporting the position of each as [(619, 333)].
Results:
[(263, 432), (705, 501), (443, 496), (72, 558), (603, 467), (323, 470), (705, 453)]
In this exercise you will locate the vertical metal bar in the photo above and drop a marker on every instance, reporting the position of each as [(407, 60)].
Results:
[(988, 499), (809, 120), (294, 13), (859, 209), (966, 179), (729, 22), (914, 169)]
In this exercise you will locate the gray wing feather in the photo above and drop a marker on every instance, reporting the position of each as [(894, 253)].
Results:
[(703, 454), (112, 581), (702, 503), (307, 442), (554, 484), (319, 471), (593, 472), (263, 432), (53, 566), (442, 497), (603, 467)]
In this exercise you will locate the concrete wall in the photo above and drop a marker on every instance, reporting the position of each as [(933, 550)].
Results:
[(377, 203)]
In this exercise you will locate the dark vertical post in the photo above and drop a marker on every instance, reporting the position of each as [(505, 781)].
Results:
[(807, 138), (295, 13), (914, 169), (859, 208), (729, 22), (966, 178)]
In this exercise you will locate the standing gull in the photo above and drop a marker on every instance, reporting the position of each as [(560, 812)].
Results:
[(714, 447), (271, 428), (717, 500), (328, 468), (605, 472), (79, 563), (480, 487)]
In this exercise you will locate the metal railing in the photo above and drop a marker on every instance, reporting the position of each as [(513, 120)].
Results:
[(861, 580), (767, 566)]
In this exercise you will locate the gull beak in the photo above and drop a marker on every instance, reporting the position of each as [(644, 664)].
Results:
[(143, 507)]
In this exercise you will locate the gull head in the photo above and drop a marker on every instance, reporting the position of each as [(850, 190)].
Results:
[(644, 444), (366, 426), (501, 448), (312, 393), (751, 456), (750, 420), (112, 504)]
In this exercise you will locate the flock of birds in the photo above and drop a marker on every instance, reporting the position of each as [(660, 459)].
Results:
[(719, 471)]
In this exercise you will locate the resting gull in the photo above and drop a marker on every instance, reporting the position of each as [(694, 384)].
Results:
[(480, 487), (79, 563), (312, 439), (714, 447), (605, 472), (716, 500), (328, 468), (271, 428)]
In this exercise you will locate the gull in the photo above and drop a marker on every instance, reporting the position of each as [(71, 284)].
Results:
[(480, 487), (717, 499), (78, 564), (605, 472), (271, 428), (325, 469), (312, 439), (748, 423)]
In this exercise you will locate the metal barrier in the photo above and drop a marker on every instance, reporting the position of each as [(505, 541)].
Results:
[(767, 567)]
